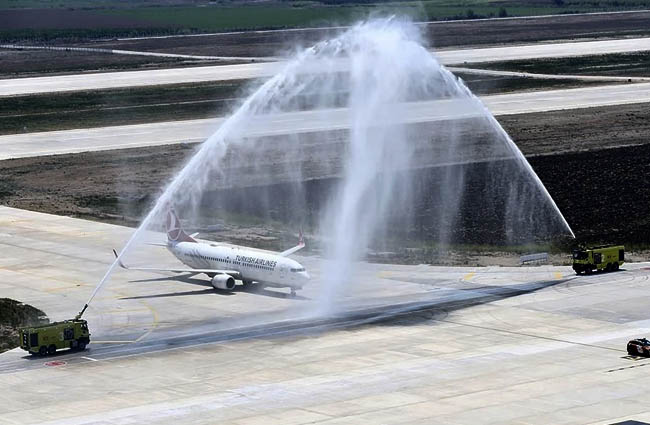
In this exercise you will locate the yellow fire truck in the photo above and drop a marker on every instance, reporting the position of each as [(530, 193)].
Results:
[(599, 258), (46, 339)]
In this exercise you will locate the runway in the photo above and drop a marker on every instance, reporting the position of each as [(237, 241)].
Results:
[(192, 131), (410, 344), (32, 85), (497, 73)]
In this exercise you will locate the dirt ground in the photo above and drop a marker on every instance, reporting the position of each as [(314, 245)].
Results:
[(632, 64), (594, 162), (65, 19), (484, 258), (438, 34), (274, 43)]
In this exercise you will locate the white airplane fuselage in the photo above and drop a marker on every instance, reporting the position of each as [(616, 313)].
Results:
[(251, 265)]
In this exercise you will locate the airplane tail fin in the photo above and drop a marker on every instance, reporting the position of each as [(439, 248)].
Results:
[(175, 232)]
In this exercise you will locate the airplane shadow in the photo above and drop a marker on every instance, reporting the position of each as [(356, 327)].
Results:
[(423, 312), (270, 293), (179, 294), (191, 279), (60, 354), (187, 278), (400, 314)]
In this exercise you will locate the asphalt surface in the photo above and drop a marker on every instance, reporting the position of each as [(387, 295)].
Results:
[(21, 86), (192, 131), (405, 344), (273, 325)]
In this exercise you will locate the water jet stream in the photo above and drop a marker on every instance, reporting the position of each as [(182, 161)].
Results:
[(386, 67)]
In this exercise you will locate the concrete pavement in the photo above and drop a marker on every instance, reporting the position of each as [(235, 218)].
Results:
[(527, 345), (193, 131), (23, 86)]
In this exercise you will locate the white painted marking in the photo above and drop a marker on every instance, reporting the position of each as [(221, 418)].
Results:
[(89, 358), (140, 135), (61, 83)]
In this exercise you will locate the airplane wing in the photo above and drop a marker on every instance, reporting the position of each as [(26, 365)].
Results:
[(156, 244), (301, 245), (193, 235), (233, 273)]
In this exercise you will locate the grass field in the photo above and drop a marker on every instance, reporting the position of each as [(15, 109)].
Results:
[(316, 14), (81, 19)]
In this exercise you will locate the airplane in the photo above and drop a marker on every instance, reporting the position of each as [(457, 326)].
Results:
[(224, 263)]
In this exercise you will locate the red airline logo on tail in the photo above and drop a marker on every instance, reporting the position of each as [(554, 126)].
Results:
[(175, 231)]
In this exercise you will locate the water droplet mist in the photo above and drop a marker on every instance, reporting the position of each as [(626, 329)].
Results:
[(392, 176)]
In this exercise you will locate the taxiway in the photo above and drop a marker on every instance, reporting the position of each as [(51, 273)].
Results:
[(193, 131), (408, 344), (62, 83)]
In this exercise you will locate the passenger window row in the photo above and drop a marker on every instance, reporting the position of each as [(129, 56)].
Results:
[(228, 261), (205, 257)]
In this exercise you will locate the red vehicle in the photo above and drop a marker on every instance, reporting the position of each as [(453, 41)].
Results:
[(639, 347)]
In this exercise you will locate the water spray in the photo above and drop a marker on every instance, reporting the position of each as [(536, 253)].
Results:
[(369, 72)]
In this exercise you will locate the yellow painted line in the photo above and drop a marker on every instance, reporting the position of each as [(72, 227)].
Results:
[(106, 298), (154, 314), (127, 310), (558, 275), (384, 275), (468, 276), (128, 326), (60, 288), (154, 325), (13, 221)]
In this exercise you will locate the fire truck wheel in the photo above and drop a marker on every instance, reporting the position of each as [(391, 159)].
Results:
[(42, 351), (51, 349), (81, 345)]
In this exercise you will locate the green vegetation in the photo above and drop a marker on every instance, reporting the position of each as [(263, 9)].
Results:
[(619, 64), (65, 4), (13, 315), (230, 18), (112, 18), (214, 19), (79, 34)]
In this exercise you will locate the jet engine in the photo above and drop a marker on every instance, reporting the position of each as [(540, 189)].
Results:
[(224, 282)]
